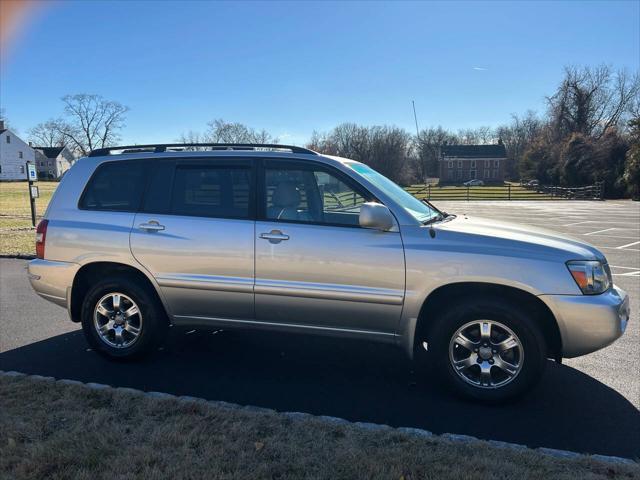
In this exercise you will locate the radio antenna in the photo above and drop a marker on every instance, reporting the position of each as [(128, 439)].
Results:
[(415, 117)]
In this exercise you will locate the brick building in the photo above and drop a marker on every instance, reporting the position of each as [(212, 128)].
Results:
[(459, 163)]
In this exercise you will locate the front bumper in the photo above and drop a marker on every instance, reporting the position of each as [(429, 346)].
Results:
[(589, 322), (52, 280)]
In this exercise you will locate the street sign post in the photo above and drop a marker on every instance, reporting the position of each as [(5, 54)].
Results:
[(32, 176)]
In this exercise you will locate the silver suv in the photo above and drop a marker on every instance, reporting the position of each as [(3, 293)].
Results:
[(281, 238)]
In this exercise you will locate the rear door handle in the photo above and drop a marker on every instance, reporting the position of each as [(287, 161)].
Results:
[(274, 236), (151, 226)]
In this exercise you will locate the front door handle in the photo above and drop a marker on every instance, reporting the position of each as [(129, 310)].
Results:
[(274, 236), (151, 226)]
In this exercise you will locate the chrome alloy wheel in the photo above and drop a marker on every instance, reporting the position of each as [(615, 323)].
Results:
[(486, 354), (117, 320)]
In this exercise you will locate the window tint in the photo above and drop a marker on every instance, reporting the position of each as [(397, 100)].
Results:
[(210, 191), (310, 196), (115, 186), (157, 198)]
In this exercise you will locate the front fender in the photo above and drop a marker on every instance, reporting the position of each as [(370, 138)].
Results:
[(449, 259)]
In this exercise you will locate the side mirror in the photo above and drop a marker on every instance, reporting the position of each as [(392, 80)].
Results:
[(376, 215)]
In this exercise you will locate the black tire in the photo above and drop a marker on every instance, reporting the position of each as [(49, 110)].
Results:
[(521, 323), (153, 326)]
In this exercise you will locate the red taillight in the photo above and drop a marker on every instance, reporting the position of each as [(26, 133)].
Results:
[(41, 237)]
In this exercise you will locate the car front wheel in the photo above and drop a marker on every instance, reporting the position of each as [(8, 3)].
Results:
[(487, 350)]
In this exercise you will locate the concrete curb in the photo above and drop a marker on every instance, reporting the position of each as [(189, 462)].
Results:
[(21, 256), (298, 416)]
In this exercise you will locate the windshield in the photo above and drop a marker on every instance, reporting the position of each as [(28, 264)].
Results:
[(417, 209)]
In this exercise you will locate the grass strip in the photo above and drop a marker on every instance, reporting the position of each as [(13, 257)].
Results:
[(57, 431)]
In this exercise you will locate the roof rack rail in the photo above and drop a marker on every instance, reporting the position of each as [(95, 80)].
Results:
[(163, 147)]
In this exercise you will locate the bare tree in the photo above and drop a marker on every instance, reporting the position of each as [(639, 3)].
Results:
[(322, 143), (192, 137), (92, 122), (428, 144), (48, 134), (476, 136), (233, 132), (590, 101), (389, 150), (384, 148), (631, 175), (518, 136)]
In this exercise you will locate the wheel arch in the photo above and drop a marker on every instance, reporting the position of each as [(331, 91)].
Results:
[(444, 295), (89, 273)]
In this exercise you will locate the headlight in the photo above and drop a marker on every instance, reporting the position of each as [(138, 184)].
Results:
[(593, 277)]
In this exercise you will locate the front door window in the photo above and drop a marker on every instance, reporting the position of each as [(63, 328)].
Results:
[(310, 196)]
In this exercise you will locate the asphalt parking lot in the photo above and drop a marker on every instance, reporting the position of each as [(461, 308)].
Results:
[(588, 404)]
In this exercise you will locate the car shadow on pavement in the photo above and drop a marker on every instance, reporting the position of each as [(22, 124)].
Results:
[(358, 381)]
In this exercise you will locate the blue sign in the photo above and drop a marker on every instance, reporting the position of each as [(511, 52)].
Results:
[(32, 175)]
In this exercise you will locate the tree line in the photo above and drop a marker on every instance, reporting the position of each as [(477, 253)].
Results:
[(590, 132)]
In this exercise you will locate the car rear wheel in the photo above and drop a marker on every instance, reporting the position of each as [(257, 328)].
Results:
[(487, 350), (122, 319)]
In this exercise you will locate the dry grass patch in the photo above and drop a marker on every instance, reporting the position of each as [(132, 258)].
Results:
[(18, 242), (54, 431), (14, 198), (16, 231)]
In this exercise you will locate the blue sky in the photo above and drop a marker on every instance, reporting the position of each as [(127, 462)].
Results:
[(295, 67)]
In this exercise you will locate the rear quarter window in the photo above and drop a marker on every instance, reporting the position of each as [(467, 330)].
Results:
[(115, 186)]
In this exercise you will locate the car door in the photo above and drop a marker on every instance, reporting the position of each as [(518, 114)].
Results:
[(316, 268), (195, 233)]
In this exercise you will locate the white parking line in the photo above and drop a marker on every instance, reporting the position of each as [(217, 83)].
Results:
[(628, 245), (628, 274), (578, 223), (599, 231), (601, 247), (609, 236)]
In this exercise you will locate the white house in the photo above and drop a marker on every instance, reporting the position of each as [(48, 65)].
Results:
[(14, 154), (52, 162)]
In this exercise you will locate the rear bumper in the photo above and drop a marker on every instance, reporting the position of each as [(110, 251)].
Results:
[(52, 280), (589, 322)]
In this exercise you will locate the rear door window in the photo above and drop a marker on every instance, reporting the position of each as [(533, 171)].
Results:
[(157, 198), (212, 191), (115, 186)]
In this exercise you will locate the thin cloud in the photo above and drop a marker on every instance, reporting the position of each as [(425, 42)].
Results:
[(480, 69)]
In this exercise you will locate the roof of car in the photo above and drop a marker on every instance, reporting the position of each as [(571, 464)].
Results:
[(201, 147), (209, 150)]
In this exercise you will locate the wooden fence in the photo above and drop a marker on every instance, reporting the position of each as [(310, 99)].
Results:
[(507, 192)]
